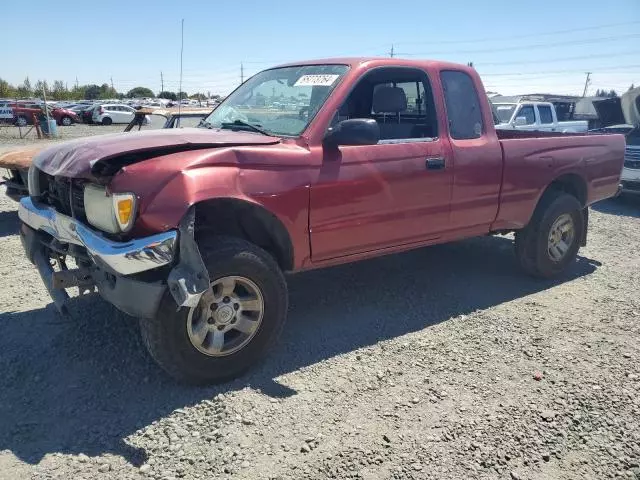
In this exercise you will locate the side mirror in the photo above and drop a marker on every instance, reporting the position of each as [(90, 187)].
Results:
[(355, 131), (520, 121)]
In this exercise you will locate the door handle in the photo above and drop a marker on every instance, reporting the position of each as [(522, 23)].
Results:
[(436, 163)]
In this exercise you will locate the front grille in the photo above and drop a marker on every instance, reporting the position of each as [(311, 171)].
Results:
[(66, 195)]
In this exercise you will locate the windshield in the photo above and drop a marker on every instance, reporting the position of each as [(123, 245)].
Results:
[(280, 101), (504, 111)]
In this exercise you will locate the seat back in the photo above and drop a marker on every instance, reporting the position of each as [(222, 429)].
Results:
[(388, 100)]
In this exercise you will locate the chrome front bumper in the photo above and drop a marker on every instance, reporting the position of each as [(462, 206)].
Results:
[(125, 258)]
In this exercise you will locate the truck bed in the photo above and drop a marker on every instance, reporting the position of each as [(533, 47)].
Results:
[(594, 160)]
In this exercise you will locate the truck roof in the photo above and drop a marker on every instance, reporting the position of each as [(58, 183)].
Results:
[(380, 61)]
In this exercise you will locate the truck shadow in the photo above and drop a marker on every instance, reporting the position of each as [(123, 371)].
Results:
[(625, 205), (9, 223), (85, 385)]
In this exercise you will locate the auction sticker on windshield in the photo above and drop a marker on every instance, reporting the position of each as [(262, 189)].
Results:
[(316, 80)]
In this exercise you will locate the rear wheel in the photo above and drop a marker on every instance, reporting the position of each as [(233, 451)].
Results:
[(237, 319), (66, 121), (550, 243), (21, 121), (106, 121)]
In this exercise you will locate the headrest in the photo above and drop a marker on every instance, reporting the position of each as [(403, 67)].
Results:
[(388, 99)]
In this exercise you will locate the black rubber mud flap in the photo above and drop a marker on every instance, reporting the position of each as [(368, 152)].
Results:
[(189, 279)]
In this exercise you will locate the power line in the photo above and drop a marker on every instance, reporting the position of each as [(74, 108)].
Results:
[(527, 47), (565, 59), (551, 72), (502, 38)]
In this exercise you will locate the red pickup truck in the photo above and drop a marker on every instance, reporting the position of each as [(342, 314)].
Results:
[(303, 166)]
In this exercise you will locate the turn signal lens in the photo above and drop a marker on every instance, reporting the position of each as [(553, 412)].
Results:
[(125, 209), (124, 206)]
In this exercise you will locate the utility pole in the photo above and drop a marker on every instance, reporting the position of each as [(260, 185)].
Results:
[(112, 89), (76, 82), (391, 52), (161, 82), (586, 84), (241, 73)]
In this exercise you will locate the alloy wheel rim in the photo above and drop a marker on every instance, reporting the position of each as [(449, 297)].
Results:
[(227, 317), (561, 237)]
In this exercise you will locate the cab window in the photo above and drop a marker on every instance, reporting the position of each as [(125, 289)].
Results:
[(528, 113), (399, 99)]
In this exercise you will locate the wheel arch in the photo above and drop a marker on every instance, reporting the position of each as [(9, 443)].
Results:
[(247, 220), (571, 184)]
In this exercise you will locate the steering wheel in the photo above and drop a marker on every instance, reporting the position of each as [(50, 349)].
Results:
[(233, 114)]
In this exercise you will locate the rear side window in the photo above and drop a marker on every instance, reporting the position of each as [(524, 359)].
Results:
[(545, 114), (463, 105)]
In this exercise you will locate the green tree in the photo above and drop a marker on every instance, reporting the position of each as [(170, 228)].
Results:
[(140, 92), (6, 89), (168, 95), (91, 92), (198, 96), (182, 95), (612, 94), (59, 91), (40, 87), (631, 87), (25, 89)]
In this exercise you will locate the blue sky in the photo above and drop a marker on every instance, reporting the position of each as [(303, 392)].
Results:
[(518, 47)]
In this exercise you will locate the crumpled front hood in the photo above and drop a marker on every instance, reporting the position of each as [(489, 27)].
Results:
[(77, 158)]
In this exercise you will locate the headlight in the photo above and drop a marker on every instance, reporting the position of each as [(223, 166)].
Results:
[(33, 183), (110, 213)]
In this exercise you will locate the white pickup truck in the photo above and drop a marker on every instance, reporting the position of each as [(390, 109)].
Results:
[(539, 116)]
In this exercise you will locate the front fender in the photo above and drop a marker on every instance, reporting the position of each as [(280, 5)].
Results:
[(166, 195)]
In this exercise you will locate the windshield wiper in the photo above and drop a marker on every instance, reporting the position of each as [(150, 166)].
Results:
[(242, 123)]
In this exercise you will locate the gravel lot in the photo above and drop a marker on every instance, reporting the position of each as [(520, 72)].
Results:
[(10, 135), (442, 363)]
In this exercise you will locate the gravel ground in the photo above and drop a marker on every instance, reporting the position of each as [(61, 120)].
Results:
[(442, 363), (10, 135)]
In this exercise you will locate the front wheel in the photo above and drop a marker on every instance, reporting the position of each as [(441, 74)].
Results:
[(550, 243), (238, 317), (66, 121), (106, 121), (22, 121)]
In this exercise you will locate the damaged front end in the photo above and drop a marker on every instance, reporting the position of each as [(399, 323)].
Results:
[(132, 275)]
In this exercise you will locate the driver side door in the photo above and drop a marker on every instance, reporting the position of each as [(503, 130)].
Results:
[(392, 194)]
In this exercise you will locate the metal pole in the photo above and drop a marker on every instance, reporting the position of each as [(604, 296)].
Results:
[(46, 110), (180, 89), (586, 84)]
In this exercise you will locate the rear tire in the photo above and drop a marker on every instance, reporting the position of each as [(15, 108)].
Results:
[(106, 121), (168, 337), (66, 121), (21, 121), (537, 245)]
